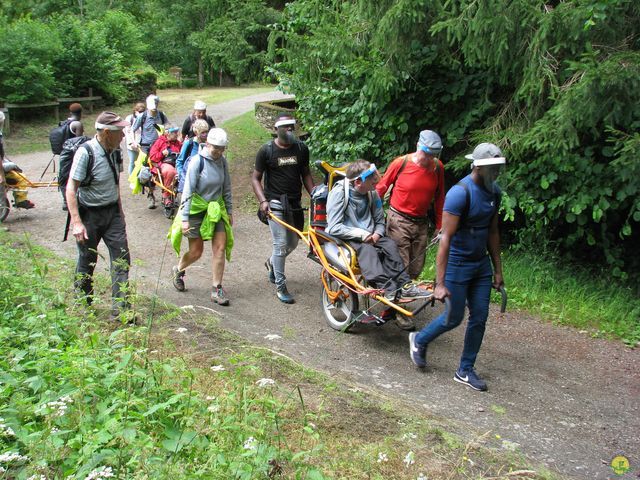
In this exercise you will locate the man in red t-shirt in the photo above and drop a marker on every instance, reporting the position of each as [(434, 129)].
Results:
[(418, 185)]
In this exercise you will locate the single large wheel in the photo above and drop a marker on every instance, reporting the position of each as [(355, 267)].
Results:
[(339, 306), (5, 206)]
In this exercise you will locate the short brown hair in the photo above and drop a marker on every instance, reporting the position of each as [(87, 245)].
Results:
[(354, 169)]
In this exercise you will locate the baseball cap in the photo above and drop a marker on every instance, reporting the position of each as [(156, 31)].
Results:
[(110, 121), (486, 154), (429, 141), (199, 105)]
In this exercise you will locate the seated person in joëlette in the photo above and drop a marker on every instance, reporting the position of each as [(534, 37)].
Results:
[(355, 215), (163, 154)]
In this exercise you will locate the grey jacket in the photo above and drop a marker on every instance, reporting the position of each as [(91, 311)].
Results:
[(362, 216), (211, 183)]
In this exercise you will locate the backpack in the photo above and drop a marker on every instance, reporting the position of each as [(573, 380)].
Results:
[(59, 135), (163, 118), (69, 150)]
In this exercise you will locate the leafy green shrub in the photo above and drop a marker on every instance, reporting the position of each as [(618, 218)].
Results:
[(166, 80), (556, 86), (74, 400), (140, 83), (28, 49)]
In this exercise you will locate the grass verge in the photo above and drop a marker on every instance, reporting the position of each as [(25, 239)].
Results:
[(32, 135), (542, 284), (82, 397)]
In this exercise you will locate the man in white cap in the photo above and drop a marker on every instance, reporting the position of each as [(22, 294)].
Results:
[(93, 199), (199, 112), (284, 162), (469, 244), (148, 122)]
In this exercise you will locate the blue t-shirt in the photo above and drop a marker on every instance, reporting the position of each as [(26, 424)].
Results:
[(470, 241)]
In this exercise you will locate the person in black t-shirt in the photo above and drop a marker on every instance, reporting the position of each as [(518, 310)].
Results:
[(284, 163)]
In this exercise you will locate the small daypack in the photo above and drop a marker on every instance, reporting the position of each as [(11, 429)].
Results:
[(69, 150), (59, 135)]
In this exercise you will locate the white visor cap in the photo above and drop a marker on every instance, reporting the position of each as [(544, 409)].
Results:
[(486, 154)]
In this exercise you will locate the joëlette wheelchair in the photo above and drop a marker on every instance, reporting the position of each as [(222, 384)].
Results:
[(346, 298)]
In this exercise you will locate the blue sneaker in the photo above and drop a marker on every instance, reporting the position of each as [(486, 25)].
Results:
[(284, 296), (417, 352), (271, 273), (471, 379)]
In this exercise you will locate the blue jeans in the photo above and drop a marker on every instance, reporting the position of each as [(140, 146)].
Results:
[(469, 282), (284, 242), (133, 154)]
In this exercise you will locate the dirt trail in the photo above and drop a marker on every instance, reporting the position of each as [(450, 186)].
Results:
[(562, 398)]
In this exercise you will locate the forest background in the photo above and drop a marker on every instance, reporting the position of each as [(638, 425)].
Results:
[(555, 84)]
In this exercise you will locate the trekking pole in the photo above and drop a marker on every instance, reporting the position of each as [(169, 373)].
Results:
[(47, 167)]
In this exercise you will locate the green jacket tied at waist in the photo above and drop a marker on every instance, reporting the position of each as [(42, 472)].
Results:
[(215, 210)]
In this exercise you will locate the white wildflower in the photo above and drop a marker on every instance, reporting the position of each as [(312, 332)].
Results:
[(264, 382), (409, 459), (181, 330), (213, 408), (312, 425), (209, 398), (10, 457), (102, 472), (217, 368), (382, 457), (42, 315), (250, 444), (57, 408), (6, 431), (272, 336), (2, 470), (409, 436), (54, 430)]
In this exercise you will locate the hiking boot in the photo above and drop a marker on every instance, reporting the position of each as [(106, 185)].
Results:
[(412, 291), (471, 379), (284, 296), (405, 323), (26, 204), (178, 279), (417, 352), (168, 211), (219, 296), (151, 201), (392, 296), (271, 273)]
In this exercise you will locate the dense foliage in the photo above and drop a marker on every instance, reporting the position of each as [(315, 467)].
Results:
[(62, 48), (556, 85), (79, 403)]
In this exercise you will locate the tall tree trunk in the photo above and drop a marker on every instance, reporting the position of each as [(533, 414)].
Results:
[(200, 71)]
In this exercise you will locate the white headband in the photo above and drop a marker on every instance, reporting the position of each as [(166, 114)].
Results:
[(283, 123), (102, 126), (482, 162)]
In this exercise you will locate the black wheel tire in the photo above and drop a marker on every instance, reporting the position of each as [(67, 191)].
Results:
[(341, 313), (5, 206)]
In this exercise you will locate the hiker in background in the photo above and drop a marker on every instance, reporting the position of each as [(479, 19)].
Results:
[(163, 156), (469, 244), (199, 113), (132, 139), (206, 214), (95, 209), (284, 163), (417, 186), (148, 122), (190, 148)]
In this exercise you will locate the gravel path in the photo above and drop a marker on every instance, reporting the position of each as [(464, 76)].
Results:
[(565, 400)]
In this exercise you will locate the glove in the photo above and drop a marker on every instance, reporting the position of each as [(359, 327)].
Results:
[(8, 166)]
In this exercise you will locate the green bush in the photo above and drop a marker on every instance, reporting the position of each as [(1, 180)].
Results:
[(166, 80), (139, 83), (557, 88), (28, 49)]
